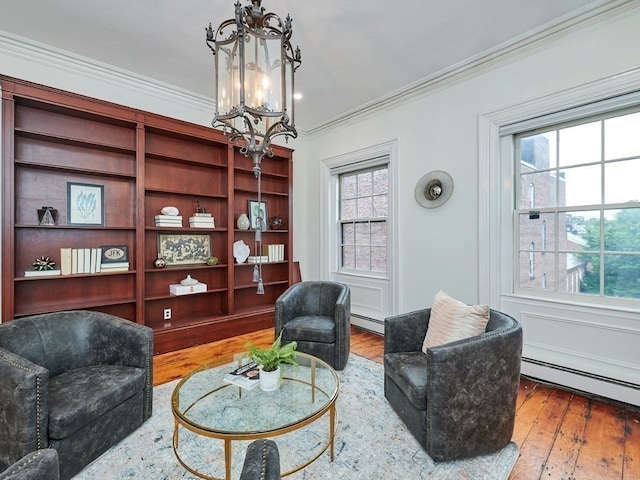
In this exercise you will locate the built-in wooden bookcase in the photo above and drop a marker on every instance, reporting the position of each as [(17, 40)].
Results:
[(142, 162)]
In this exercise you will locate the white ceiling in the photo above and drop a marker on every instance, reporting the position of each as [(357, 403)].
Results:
[(354, 52)]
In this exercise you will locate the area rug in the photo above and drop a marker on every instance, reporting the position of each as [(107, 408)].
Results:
[(371, 443)]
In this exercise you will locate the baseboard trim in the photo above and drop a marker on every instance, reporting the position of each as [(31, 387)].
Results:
[(608, 390), (369, 324)]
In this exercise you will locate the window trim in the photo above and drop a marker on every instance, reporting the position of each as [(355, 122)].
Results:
[(385, 289), (495, 169), (378, 164)]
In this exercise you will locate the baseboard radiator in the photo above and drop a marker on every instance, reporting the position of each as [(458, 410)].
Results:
[(591, 385)]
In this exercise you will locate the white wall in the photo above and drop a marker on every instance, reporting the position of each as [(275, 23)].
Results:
[(439, 248)]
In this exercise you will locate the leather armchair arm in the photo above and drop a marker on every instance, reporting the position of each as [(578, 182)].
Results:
[(116, 341), (477, 376), (262, 461), (342, 314), (24, 415), (342, 317), (285, 309), (405, 332), (40, 464)]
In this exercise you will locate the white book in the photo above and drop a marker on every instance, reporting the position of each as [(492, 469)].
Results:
[(168, 225), (87, 260), (247, 376), (74, 260), (92, 260), (108, 266), (41, 273), (65, 261), (114, 269), (80, 260), (98, 259)]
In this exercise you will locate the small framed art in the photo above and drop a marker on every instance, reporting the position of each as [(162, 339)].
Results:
[(85, 204), (258, 213)]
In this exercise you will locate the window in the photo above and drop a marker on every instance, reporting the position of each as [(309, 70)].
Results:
[(578, 214), (363, 211)]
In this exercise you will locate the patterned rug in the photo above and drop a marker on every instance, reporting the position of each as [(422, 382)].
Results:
[(371, 443)]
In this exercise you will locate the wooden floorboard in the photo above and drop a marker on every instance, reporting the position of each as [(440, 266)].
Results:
[(562, 435), (569, 440), (631, 470)]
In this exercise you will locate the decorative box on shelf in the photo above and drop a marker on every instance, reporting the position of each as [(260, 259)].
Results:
[(177, 289)]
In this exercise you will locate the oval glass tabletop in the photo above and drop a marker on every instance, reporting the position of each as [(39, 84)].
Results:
[(205, 404)]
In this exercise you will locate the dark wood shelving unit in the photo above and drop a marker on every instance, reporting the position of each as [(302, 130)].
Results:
[(144, 162)]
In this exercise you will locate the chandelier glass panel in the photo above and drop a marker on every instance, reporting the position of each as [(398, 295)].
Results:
[(254, 72)]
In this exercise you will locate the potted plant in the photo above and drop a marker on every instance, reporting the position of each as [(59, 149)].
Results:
[(269, 360)]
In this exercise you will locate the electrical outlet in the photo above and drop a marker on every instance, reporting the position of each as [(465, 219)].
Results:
[(167, 314)]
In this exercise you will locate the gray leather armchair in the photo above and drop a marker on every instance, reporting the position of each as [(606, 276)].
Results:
[(38, 465), (78, 382), (459, 399), (262, 461), (316, 315)]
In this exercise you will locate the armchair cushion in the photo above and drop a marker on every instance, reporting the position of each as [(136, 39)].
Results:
[(453, 320), (73, 403), (409, 370), (312, 328)]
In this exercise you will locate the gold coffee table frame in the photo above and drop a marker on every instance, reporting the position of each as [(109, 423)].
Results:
[(182, 419)]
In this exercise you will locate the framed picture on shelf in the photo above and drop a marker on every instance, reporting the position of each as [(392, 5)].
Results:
[(85, 204), (184, 249), (258, 210)]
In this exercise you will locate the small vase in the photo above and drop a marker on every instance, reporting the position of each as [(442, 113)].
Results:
[(269, 381), (243, 222)]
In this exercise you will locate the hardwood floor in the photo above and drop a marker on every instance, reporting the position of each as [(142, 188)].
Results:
[(562, 435)]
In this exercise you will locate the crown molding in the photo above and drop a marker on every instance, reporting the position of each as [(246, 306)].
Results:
[(28, 53), (567, 26)]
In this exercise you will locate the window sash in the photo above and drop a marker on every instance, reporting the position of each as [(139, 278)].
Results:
[(566, 277), (364, 252)]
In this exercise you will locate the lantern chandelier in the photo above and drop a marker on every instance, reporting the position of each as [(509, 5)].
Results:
[(254, 70)]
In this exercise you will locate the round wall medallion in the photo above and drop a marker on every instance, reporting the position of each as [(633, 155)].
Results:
[(434, 189)]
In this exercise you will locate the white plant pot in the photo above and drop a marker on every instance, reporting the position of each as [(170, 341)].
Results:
[(269, 381)]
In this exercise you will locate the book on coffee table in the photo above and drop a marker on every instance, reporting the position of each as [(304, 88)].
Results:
[(247, 376)]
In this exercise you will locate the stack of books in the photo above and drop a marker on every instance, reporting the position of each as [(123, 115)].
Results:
[(246, 376), (202, 220), (275, 252), (257, 259), (114, 267), (169, 220), (80, 260), (91, 260)]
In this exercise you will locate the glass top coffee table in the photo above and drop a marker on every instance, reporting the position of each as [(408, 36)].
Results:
[(205, 407)]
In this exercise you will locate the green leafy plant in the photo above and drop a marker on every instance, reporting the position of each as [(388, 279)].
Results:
[(271, 357)]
